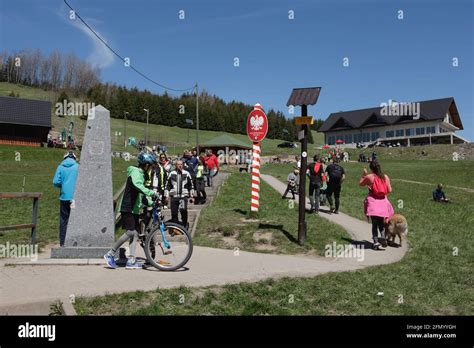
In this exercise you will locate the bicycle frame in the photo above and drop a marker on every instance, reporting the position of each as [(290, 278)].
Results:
[(158, 218)]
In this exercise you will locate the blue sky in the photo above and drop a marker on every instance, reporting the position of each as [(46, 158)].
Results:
[(389, 58)]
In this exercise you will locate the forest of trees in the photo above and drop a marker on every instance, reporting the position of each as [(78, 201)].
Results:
[(214, 113), (49, 72), (69, 75)]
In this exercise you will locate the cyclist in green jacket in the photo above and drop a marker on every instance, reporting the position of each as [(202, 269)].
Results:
[(130, 209)]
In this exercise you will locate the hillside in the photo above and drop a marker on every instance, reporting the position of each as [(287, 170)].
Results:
[(175, 138)]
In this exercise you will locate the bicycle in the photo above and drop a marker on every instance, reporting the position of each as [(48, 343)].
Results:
[(168, 245)]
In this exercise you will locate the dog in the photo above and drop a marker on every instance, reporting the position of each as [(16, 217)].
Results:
[(396, 226)]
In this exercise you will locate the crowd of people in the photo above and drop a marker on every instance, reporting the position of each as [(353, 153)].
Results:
[(176, 183), (326, 176)]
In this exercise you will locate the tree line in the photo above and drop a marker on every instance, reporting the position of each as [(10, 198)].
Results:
[(214, 113), (49, 72)]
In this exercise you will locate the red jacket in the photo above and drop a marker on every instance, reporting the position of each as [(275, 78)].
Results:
[(211, 161)]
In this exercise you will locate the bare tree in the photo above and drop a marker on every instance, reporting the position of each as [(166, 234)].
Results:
[(45, 74), (70, 66), (56, 69)]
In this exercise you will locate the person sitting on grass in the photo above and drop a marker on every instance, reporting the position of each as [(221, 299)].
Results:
[(292, 182), (438, 194)]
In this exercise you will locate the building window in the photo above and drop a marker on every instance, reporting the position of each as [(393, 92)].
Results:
[(389, 134), (375, 136), (365, 137), (399, 133), (431, 130), (357, 138), (409, 132), (420, 131), (331, 140)]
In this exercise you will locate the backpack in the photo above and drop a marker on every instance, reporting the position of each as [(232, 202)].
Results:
[(317, 165), (379, 187), (336, 173)]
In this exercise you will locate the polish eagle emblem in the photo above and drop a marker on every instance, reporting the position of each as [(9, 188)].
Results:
[(256, 122)]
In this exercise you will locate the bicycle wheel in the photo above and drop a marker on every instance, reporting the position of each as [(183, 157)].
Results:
[(173, 258)]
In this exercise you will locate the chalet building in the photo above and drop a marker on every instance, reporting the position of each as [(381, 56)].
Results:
[(24, 121), (421, 123)]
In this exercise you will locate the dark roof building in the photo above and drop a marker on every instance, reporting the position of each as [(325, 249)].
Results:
[(24, 121), (424, 122)]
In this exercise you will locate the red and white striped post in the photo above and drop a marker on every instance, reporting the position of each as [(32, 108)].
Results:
[(254, 203), (257, 128)]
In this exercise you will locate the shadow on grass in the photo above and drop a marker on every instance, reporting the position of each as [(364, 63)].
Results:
[(281, 229), (240, 211)]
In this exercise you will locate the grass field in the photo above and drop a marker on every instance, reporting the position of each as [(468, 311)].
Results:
[(226, 224), (38, 166), (434, 278)]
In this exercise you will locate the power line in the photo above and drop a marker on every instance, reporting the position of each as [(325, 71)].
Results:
[(122, 58)]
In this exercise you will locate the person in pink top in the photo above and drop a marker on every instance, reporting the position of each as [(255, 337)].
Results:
[(376, 204)]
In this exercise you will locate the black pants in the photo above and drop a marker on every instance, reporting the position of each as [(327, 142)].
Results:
[(335, 189), (179, 205), (290, 188), (64, 211), (377, 225), (201, 189)]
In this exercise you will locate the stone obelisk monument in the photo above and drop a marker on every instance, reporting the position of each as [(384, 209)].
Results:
[(90, 231)]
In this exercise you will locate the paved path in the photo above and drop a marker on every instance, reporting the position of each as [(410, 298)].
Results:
[(42, 282), (359, 230)]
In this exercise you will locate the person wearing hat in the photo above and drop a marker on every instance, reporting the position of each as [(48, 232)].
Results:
[(65, 178), (292, 183)]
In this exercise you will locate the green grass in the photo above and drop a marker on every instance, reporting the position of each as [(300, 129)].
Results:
[(226, 223), (27, 92), (38, 165), (431, 280)]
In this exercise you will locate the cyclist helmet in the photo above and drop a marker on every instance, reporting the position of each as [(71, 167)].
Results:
[(144, 158)]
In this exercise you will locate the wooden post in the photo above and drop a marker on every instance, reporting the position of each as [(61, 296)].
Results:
[(34, 220), (302, 188)]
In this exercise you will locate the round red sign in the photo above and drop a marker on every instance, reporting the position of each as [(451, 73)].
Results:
[(257, 124)]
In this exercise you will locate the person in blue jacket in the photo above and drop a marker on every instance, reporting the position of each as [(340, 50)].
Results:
[(65, 178)]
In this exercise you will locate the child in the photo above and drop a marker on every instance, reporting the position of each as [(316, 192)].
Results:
[(322, 194), (438, 194), (292, 182), (200, 184)]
